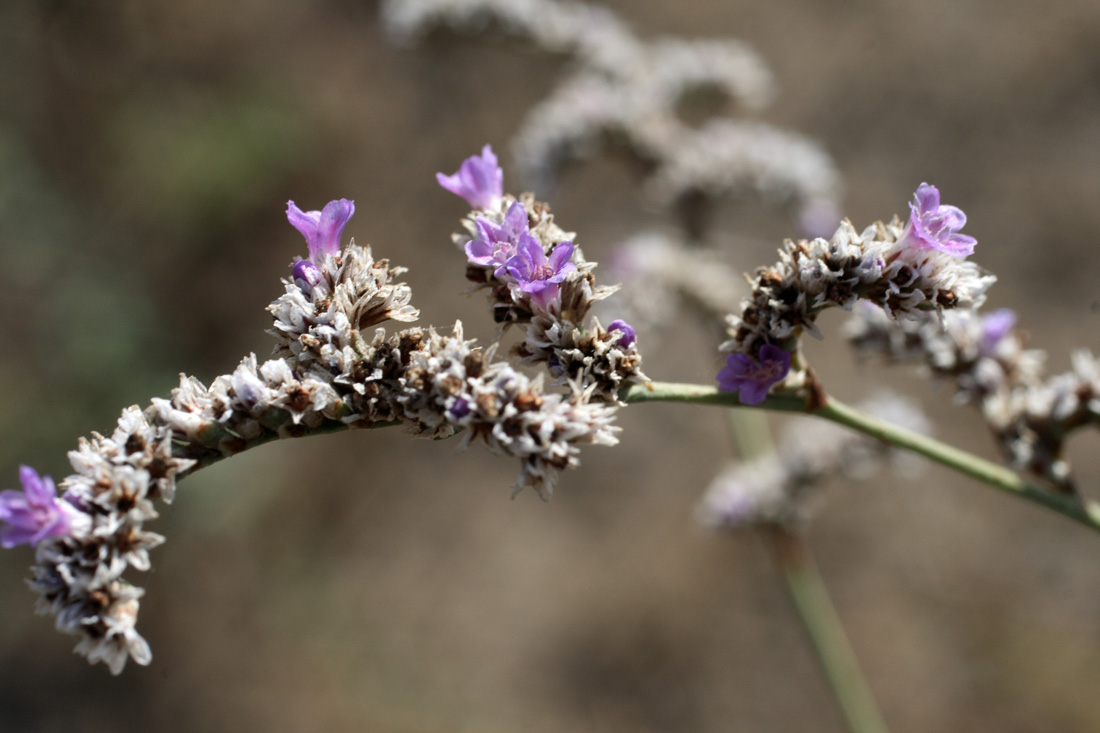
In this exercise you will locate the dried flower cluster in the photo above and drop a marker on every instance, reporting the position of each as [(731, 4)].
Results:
[(1031, 415), (538, 279), (328, 373), (625, 91), (658, 270), (885, 264), (778, 488)]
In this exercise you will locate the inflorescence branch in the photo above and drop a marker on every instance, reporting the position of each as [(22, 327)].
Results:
[(335, 367)]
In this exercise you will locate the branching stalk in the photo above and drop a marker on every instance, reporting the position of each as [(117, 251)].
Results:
[(1083, 511)]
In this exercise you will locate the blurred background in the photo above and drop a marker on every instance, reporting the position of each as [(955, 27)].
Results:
[(372, 582)]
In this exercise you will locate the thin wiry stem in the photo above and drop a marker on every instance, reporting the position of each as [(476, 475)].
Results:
[(1083, 511), (795, 563), (819, 618)]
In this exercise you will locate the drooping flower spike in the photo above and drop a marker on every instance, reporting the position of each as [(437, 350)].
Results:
[(35, 513), (479, 180), (322, 229), (537, 275), (933, 225), (752, 378)]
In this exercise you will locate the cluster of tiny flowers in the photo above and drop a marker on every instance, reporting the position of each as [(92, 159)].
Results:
[(778, 489), (1031, 415), (904, 270), (539, 280), (97, 533), (326, 374), (628, 91)]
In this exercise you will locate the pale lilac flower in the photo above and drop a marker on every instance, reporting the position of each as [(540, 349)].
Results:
[(935, 226), (479, 180), (34, 514), (536, 275), (498, 242), (322, 229), (752, 378), (627, 337), (995, 326)]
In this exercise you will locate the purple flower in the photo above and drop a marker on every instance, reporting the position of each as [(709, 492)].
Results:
[(306, 274), (498, 241), (535, 274), (752, 378), (995, 326), (627, 336), (479, 180), (460, 408), (34, 514), (322, 229), (935, 226)]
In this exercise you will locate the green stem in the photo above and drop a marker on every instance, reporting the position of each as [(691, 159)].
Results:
[(1084, 511), (819, 618), (795, 562)]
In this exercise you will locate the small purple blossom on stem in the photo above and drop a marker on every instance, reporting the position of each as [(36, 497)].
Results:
[(935, 226), (322, 229), (537, 275), (627, 337), (498, 241), (36, 513), (752, 378), (479, 180)]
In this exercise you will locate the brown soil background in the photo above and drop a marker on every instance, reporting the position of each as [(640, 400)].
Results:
[(371, 582)]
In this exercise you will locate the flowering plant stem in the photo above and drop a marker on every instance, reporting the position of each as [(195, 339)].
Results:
[(819, 618), (795, 563), (1083, 511)]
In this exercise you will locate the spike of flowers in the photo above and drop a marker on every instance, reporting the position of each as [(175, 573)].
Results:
[(327, 374), (885, 264), (538, 278), (1031, 415), (479, 180)]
